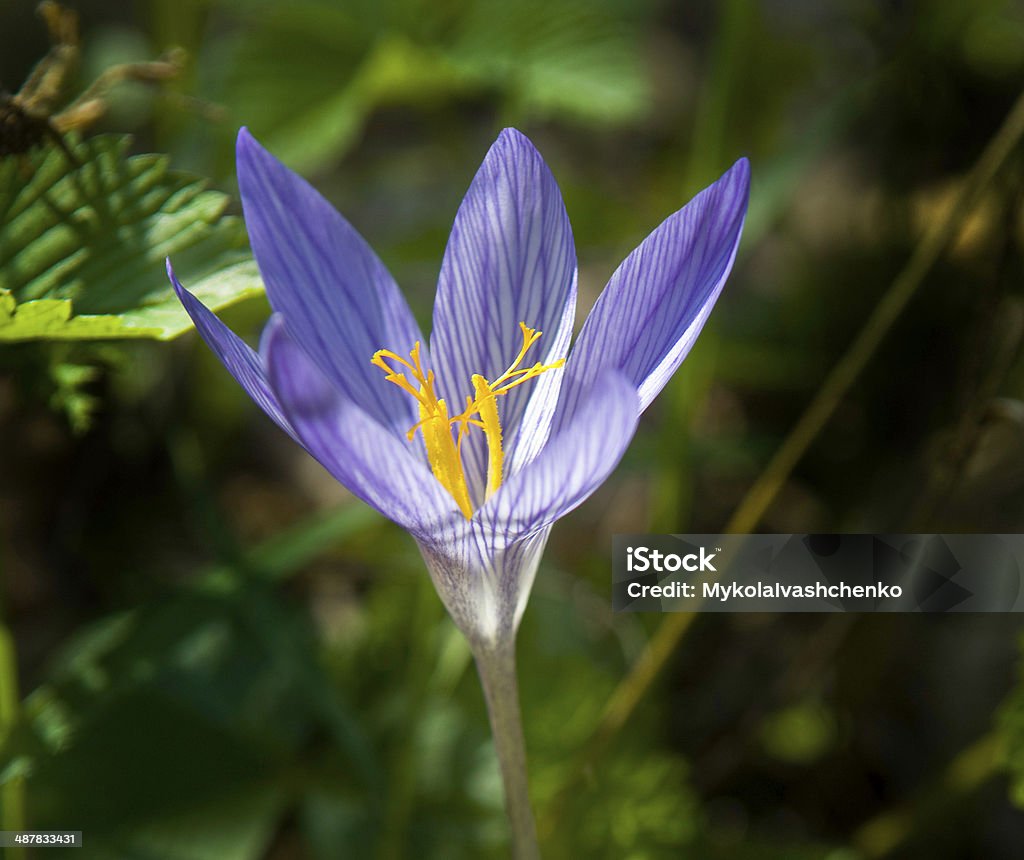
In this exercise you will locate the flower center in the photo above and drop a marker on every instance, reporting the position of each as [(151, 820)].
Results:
[(444, 452)]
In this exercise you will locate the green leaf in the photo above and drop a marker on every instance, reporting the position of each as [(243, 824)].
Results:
[(542, 58), (82, 246), (308, 130), (184, 728), (70, 395), (578, 59)]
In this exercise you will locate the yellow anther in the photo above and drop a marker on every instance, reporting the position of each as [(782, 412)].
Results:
[(443, 452), (434, 423), (486, 406)]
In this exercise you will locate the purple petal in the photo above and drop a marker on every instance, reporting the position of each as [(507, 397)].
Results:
[(373, 463), (239, 358), (574, 463), (656, 303), (510, 259), (335, 294)]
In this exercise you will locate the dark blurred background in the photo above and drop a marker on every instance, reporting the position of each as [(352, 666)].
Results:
[(222, 655)]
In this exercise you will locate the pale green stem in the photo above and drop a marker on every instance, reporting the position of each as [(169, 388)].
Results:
[(12, 793), (497, 668)]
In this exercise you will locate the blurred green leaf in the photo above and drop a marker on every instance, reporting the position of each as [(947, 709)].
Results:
[(285, 553), (307, 76), (800, 733), (644, 799), (554, 57), (237, 827), (70, 396), (181, 729), (82, 246)]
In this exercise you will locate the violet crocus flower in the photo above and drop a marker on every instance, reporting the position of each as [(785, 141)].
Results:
[(478, 441)]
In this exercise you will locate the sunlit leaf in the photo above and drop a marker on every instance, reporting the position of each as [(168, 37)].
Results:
[(82, 245)]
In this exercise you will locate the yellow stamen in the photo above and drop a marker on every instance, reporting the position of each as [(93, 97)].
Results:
[(443, 452), (486, 405), (444, 457), (434, 423)]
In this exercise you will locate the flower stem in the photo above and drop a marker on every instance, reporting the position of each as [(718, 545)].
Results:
[(497, 668)]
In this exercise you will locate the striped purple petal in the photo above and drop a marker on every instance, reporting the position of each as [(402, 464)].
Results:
[(648, 317), (574, 462), (510, 259), (376, 465), (239, 358), (336, 295)]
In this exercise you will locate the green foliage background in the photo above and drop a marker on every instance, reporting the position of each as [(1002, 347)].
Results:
[(221, 655)]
